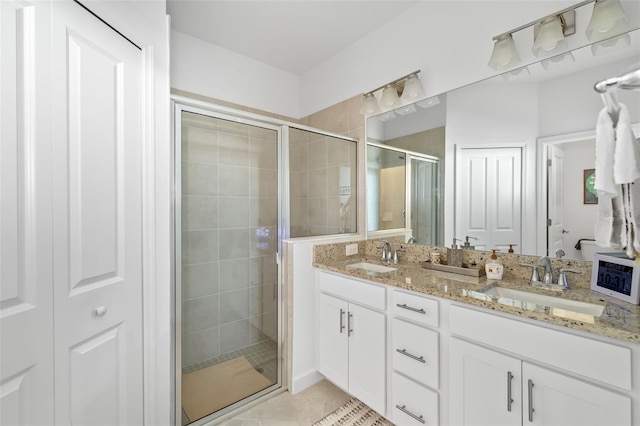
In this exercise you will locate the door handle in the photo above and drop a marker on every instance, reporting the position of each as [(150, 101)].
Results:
[(341, 320), (349, 329), (100, 310), (509, 398), (409, 308), (530, 397), (409, 413), (405, 353)]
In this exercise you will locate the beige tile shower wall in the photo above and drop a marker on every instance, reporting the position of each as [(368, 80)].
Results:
[(345, 119)]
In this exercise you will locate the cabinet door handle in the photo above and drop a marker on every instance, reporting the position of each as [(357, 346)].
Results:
[(409, 308), (350, 330), (509, 399), (341, 320), (409, 413), (530, 396), (405, 353)]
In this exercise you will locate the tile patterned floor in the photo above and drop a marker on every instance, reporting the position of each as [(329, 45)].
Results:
[(263, 356), (286, 409)]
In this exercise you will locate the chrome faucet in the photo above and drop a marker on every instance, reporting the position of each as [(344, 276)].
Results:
[(562, 279), (387, 251), (547, 278)]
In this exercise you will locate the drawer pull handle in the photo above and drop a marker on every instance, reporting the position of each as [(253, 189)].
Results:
[(409, 308), (409, 413), (405, 353), (531, 410), (341, 320), (509, 398)]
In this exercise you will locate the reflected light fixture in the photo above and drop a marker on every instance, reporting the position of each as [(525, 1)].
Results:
[(398, 95), (516, 74), (610, 44), (608, 19), (504, 55), (557, 61), (549, 33)]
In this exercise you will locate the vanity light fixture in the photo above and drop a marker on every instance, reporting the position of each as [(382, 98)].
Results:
[(559, 60), (504, 55), (516, 74), (429, 102), (398, 95), (607, 20), (549, 37)]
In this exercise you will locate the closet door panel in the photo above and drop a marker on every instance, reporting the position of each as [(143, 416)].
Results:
[(26, 350), (97, 221)]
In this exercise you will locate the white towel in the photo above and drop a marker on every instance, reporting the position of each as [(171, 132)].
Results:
[(605, 149), (626, 161)]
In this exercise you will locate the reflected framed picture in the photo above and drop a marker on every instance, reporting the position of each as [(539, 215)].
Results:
[(589, 193)]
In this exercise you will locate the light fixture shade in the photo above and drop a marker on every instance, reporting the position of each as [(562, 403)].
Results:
[(504, 55), (406, 109), (386, 116), (426, 103), (516, 74), (550, 37), (369, 105), (608, 19), (412, 89), (389, 98)]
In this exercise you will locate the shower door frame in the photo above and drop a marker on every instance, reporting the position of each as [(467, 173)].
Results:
[(180, 105)]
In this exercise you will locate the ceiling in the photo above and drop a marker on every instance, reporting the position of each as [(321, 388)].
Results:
[(294, 35)]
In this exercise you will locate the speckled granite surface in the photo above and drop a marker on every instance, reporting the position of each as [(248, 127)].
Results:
[(620, 320)]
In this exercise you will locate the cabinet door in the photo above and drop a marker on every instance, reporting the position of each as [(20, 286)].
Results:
[(333, 345), (367, 356), (484, 386), (555, 399)]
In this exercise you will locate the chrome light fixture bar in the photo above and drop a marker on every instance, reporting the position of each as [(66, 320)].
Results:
[(608, 19), (395, 95)]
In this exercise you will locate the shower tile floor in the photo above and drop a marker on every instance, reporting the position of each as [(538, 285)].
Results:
[(262, 356)]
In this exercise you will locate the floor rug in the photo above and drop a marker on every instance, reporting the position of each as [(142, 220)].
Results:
[(354, 413), (210, 389)]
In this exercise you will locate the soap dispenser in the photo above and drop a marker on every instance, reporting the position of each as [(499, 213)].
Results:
[(454, 254), (494, 267), (467, 245)]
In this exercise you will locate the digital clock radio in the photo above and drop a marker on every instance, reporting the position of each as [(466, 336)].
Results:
[(616, 275)]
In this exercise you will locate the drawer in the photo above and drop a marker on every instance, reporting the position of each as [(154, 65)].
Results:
[(413, 404), (415, 352), (416, 308), (590, 358), (360, 292)]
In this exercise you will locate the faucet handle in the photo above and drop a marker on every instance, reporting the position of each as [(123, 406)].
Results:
[(535, 277), (562, 278)]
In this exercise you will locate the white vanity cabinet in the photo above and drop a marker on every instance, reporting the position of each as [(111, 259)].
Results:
[(489, 387), (415, 359), (352, 337)]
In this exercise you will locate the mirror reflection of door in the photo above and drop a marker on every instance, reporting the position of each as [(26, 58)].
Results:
[(425, 201), (489, 197), (555, 200)]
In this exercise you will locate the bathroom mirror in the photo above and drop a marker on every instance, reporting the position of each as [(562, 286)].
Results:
[(513, 119)]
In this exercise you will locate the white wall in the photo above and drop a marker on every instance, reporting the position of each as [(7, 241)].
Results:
[(209, 70)]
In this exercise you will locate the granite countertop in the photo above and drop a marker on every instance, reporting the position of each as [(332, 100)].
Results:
[(620, 320)]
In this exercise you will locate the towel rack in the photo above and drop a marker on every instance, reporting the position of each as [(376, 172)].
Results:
[(628, 81)]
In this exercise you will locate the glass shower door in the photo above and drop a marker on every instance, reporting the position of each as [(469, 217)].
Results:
[(228, 327)]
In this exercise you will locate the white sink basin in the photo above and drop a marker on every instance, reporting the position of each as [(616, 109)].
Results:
[(371, 267), (538, 302), (533, 301)]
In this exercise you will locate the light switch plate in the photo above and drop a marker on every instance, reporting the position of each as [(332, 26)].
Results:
[(352, 249)]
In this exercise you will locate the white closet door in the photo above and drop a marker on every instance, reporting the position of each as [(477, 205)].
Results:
[(489, 195), (26, 309), (97, 207), (555, 199)]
